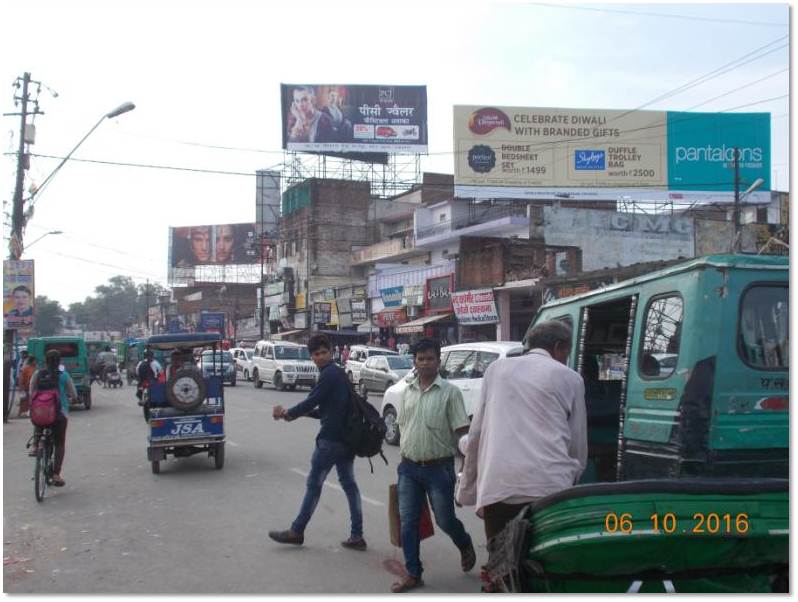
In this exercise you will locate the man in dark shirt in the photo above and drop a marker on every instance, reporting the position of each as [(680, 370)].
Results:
[(329, 402)]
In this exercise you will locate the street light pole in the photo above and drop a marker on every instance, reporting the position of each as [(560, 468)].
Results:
[(42, 236), (737, 234)]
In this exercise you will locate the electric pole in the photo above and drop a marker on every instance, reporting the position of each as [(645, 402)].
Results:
[(17, 211)]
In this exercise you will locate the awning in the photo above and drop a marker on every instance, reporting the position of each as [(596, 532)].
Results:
[(367, 328), (343, 333), (418, 325), (529, 282), (286, 333)]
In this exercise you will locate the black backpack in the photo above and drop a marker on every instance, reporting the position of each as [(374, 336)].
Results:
[(365, 429)]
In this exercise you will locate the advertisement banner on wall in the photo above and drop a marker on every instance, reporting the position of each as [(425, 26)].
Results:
[(300, 320), (321, 312), (219, 244), (390, 317), (18, 295), (359, 313), (354, 118), (475, 307), (438, 293), (392, 296), (528, 152)]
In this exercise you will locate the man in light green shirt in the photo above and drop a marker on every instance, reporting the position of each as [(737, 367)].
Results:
[(431, 417)]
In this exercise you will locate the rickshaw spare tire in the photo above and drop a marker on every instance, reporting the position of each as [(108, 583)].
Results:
[(185, 389)]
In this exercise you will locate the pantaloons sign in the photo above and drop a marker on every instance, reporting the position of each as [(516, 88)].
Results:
[(511, 152)]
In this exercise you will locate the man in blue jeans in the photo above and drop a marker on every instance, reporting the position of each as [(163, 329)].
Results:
[(329, 401), (431, 417)]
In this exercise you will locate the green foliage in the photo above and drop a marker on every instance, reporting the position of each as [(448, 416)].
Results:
[(48, 317)]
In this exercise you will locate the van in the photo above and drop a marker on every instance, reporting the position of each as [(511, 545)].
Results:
[(358, 354), (284, 365), (686, 370)]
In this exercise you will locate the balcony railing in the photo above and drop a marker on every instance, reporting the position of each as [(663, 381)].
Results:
[(479, 216), (386, 248)]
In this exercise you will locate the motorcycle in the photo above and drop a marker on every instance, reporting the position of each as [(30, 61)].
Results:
[(112, 377)]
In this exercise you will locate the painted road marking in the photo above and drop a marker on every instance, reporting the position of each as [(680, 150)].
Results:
[(337, 487)]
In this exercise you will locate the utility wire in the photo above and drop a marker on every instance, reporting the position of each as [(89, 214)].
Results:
[(665, 15), (748, 85)]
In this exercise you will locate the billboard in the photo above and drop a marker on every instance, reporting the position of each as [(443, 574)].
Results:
[(475, 307), (18, 294), (211, 321), (337, 118), (220, 244), (589, 154)]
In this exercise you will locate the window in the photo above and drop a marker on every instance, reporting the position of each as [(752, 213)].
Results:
[(370, 363), (661, 333), (399, 362), (460, 364), (764, 331), (291, 353), (484, 359), (267, 353)]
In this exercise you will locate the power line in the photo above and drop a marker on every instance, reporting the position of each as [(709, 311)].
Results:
[(666, 15), (748, 85)]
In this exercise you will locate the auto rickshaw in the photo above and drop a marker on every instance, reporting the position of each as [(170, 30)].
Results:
[(185, 409), (74, 358)]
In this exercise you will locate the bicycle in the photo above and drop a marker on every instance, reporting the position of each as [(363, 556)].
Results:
[(43, 471)]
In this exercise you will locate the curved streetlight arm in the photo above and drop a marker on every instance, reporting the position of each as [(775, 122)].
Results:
[(123, 108), (42, 236)]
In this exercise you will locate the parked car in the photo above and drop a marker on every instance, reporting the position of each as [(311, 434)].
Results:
[(382, 371), (220, 364), (464, 365), (358, 356), (243, 360), (284, 365)]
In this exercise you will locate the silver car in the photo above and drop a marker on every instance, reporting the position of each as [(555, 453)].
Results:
[(382, 371)]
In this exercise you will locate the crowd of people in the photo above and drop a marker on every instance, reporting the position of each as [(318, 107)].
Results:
[(527, 440)]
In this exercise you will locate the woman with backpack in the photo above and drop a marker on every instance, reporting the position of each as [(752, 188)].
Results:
[(51, 377)]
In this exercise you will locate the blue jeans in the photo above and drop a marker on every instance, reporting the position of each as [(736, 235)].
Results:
[(436, 481), (329, 454)]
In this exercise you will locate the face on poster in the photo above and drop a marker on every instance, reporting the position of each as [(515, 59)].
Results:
[(219, 244), (18, 294)]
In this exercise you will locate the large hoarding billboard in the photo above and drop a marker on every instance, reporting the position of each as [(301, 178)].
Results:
[(219, 244), (336, 118), (588, 154), (18, 295)]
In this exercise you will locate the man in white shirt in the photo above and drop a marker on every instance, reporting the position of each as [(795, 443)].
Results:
[(528, 438)]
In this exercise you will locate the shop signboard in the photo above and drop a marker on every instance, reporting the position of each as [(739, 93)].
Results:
[(329, 294), (18, 295), (211, 321), (475, 307), (438, 293), (413, 295), (274, 288), (392, 296), (359, 312), (333, 321), (299, 301), (335, 118), (390, 317), (321, 312), (300, 320), (588, 154)]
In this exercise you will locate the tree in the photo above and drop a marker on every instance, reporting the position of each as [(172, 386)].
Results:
[(48, 317)]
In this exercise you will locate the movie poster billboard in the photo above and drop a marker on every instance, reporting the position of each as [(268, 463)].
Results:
[(219, 244), (588, 154), (18, 294), (337, 118)]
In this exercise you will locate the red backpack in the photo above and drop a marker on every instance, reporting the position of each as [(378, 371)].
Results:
[(45, 404)]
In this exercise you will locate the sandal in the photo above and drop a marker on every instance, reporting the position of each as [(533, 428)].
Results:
[(405, 585), (58, 481)]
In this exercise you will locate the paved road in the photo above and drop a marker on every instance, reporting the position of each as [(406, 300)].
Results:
[(117, 528)]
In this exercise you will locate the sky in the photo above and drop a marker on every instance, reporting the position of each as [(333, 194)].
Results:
[(205, 75)]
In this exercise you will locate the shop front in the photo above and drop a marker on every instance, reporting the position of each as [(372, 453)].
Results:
[(387, 321)]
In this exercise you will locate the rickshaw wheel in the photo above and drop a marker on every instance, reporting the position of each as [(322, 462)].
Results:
[(218, 456), (185, 390), (156, 467)]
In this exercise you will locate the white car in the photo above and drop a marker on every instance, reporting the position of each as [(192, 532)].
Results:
[(284, 365), (358, 355), (464, 365), (243, 359)]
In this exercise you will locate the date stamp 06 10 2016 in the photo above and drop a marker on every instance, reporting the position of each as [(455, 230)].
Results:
[(711, 523)]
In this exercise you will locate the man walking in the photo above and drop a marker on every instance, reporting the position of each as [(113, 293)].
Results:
[(431, 416), (528, 438), (329, 401)]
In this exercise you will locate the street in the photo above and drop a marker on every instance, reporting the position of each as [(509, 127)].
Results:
[(117, 528)]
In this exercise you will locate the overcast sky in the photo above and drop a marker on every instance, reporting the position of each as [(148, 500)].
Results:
[(207, 74)]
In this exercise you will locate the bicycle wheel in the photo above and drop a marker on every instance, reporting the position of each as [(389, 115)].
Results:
[(40, 473)]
